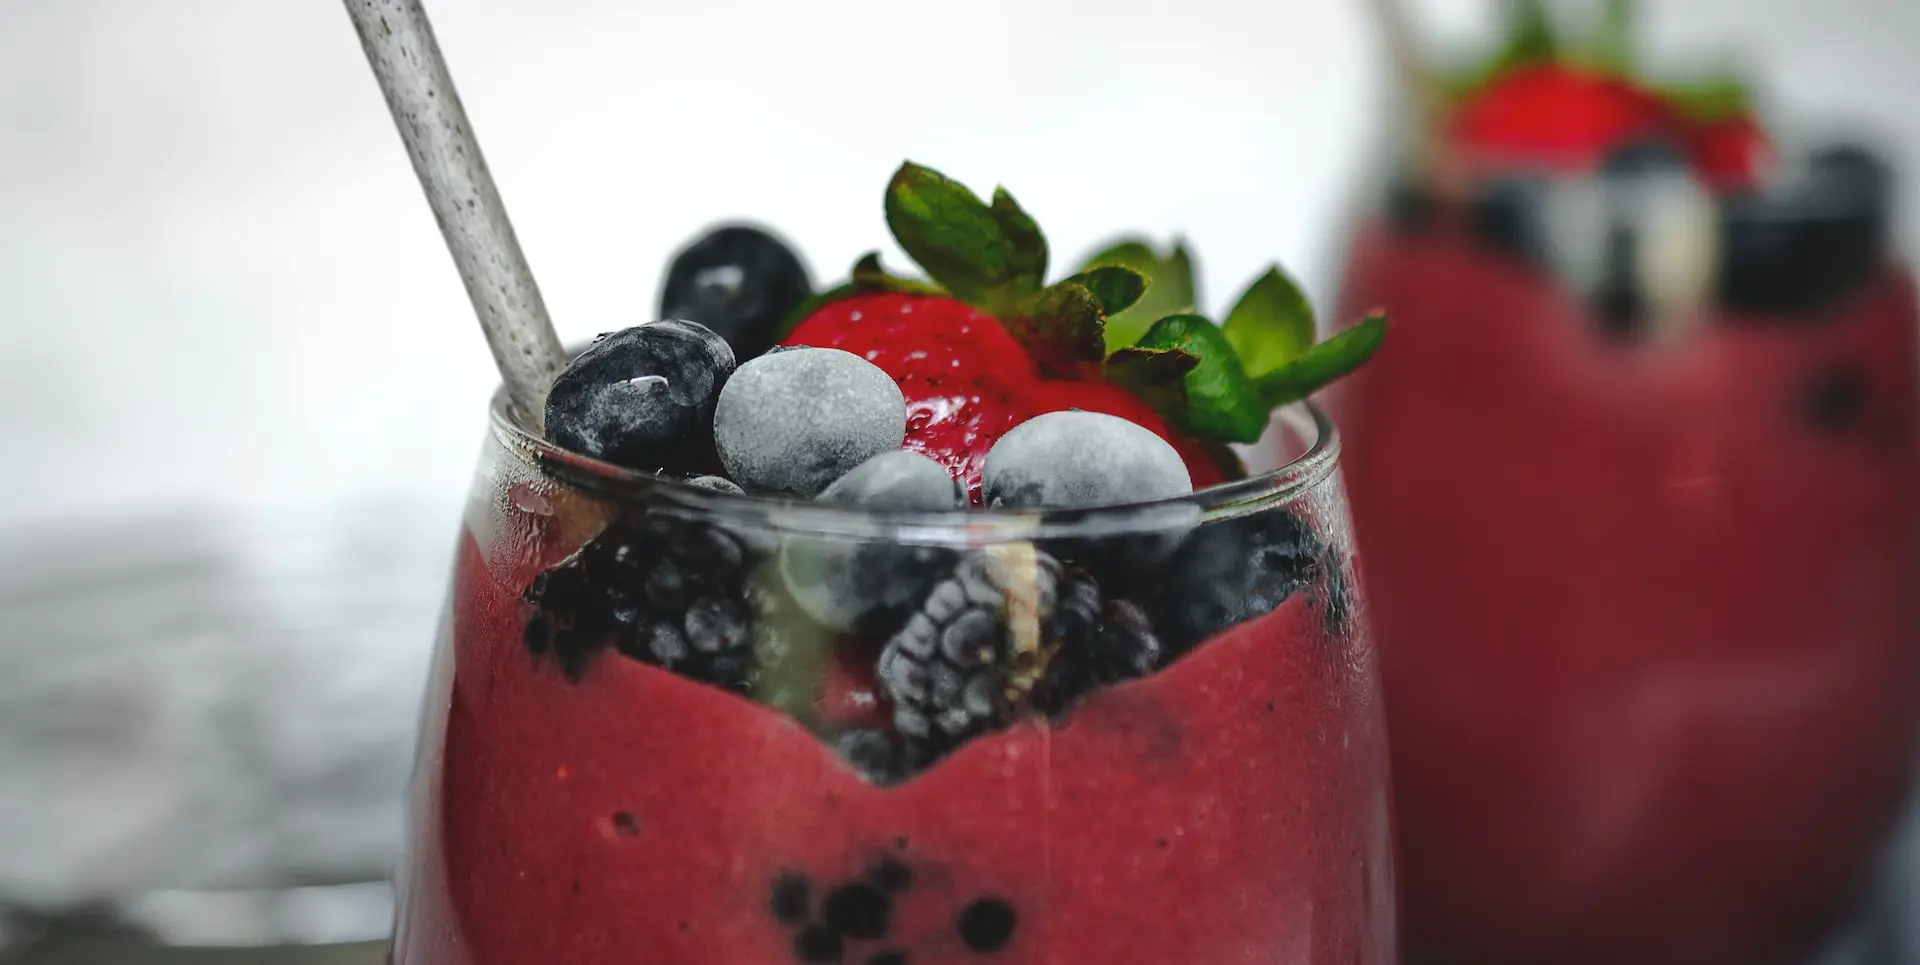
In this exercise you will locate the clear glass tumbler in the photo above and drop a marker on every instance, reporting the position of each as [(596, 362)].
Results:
[(675, 726)]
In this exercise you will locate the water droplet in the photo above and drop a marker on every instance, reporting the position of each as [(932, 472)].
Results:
[(529, 500)]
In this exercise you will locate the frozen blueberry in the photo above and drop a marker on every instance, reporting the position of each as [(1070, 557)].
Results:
[(643, 397), (1799, 246), (850, 585), (1507, 214), (1073, 460), (1643, 157), (739, 281), (901, 479), (794, 422)]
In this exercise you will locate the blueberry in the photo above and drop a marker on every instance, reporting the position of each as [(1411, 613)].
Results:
[(794, 422), (1644, 157), (1231, 571), (848, 585), (1794, 249), (902, 480), (1073, 460), (739, 281), (643, 397), (1507, 215)]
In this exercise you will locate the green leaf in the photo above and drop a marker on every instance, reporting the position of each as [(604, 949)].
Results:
[(1221, 401), (1170, 290), (1157, 375), (1027, 247), (1062, 327), (1117, 288), (1530, 35), (951, 233), (1271, 325), (1715, 97), (1613, 44), (1324, 363)]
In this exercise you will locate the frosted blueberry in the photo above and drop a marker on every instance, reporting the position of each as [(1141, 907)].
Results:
[(848, 585), (793, 422), (1076, 460), (643, 397), (901, 479)]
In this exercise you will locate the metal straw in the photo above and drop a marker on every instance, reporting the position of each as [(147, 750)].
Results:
[(406, 59)]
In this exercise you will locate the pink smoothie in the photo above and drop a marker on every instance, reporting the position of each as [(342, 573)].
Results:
[(1649, 613), (1228, 809)]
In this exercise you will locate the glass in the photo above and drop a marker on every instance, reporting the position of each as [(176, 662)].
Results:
[(938, 745), (1638, 482)]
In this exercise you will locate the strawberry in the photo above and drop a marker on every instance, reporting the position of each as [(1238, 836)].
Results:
[(986, 345), (1545, 100), (1559, 115), (964, 376), (1730, 153), (967, 380)]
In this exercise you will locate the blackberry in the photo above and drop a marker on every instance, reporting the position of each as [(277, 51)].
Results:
[(669, 591), (960, 666), (964, 666), (1103, 642)]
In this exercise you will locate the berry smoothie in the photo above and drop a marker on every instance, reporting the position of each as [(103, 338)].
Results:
[(1642, 524), (899, 625)]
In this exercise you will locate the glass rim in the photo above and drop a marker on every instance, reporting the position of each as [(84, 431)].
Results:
[(1285, 484)]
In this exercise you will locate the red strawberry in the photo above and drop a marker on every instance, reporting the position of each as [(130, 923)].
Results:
[(1558, 115), (1732, 153), (967, 380), (964, 376)]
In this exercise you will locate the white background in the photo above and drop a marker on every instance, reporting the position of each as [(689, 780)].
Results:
[(219, 282)]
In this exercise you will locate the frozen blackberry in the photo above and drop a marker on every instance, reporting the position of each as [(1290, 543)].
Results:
[(1102, 642), (961, 666), (659, 588), (1011, 629), (1232, 571)]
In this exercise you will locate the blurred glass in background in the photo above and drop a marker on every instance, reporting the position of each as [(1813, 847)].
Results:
[(240, 392)]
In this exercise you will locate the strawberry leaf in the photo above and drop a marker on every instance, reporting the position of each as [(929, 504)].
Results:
[(1323, 363), (1157, 375), (1612, 45), (1221, 401), (1026, 246), (1170, 290), (1062, 327), (1117, 288), (1271, 325), (951, 233), (1715, 97)]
